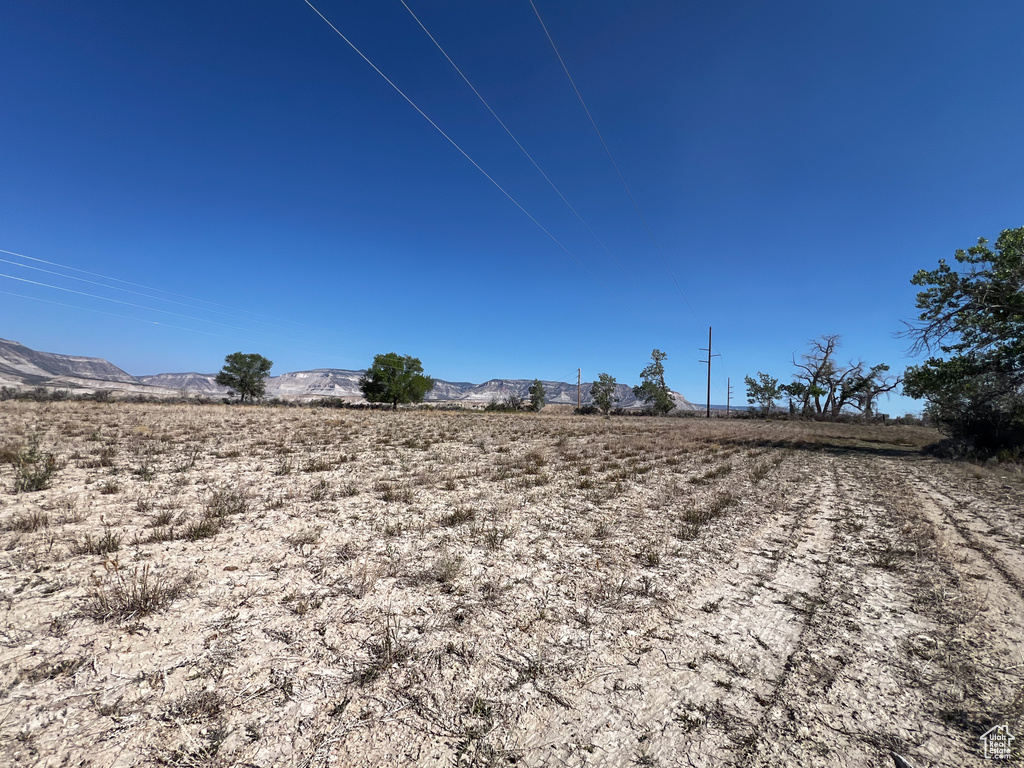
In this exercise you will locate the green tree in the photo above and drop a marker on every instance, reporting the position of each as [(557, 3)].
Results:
[(653, 391), (975, 318), (245, 375), (602, 392), (870, 385), (763, 392), (395, 379), (537, 395)]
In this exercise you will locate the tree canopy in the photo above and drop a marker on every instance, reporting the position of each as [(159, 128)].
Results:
[(245, 375), (537, 395), (395, 379), (975, 318), (763, 392), (602, 392), (653, 391), (824, 387)]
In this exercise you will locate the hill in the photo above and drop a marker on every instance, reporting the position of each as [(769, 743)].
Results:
[(22, 367)]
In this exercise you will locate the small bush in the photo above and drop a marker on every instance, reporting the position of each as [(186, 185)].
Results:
[(98, 545), (201, 529), (226, 502), (391, 493), (131, 594), (385, 651), (29, 521), (33, 469), (162, 518), (458, 516), (316, 464), (197, 707)]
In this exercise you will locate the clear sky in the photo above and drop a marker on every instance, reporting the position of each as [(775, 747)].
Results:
[(795, 163)]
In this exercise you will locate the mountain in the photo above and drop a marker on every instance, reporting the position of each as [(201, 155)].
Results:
[(334, 382), (24, 367)]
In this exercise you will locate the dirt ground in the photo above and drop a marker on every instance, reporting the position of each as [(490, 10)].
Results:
[(214, 586)]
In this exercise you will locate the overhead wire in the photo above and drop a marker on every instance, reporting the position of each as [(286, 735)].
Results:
[(519, 144), (136, 293), (463, 152), (136, 319), (127, 303), (512, 136), (615, 165), (146, 287)]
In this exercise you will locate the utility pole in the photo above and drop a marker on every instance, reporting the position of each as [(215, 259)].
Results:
[(728, 395), (579, 377), (708, 361)]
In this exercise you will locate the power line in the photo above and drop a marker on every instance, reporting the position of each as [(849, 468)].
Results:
[(486, 174), (136, 293), (127, 303), (535, 164), (463, 152), (612, 159), (513, 137), (139, 320), (139, 285), (615, 165)]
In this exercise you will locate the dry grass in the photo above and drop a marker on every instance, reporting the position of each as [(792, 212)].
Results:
[(425, 588)]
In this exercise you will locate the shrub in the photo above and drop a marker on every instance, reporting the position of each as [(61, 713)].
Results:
[(33, 469), (127, 595)]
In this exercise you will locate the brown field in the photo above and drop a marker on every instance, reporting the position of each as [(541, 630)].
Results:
[(214, 586)]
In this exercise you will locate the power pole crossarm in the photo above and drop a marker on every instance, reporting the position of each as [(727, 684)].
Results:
[(708, 361)]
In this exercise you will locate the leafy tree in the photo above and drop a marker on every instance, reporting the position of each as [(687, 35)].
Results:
[(795, 391), (653, 391), (395, 379), (602, 392), (763, 392), (537, 395), (245, 375), (975, 318), (871, 385)]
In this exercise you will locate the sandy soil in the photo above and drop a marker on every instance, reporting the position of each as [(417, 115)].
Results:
[(207, 586)]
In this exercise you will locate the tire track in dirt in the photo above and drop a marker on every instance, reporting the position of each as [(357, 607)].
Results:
[(684, 686), (991, 544), (884, 663), (986, 571)]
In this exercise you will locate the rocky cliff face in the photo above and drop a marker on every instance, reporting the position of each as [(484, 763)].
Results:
[(554, 392), (189, 383), (21, 366), (323, 382)]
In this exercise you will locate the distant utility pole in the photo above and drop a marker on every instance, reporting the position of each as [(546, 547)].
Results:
[(579, 376), (728, 395), (708, 361)]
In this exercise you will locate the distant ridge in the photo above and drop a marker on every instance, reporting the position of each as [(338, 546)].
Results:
[(22, 367)]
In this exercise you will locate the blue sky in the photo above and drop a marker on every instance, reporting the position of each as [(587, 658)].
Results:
[(796, 163)]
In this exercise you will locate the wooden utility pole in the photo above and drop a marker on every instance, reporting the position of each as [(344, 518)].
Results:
[(579, 376), (708, 361)]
